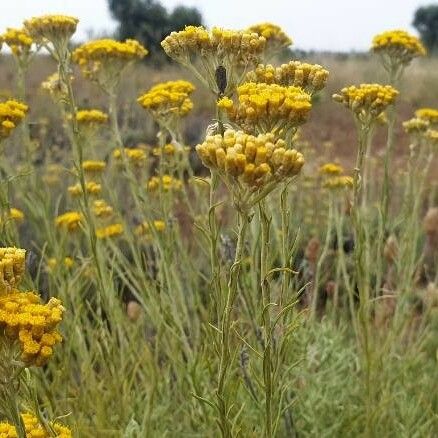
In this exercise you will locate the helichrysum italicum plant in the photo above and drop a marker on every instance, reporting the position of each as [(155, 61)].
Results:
[(12, 114), (429, 115), (276, 37), (103, 61), (397, 48), (135, 156), (101, 209), (224, 54), (69, 220), (92, 188), (112, 230), (94, 166), (331, 169), (264, 108), (310, 77), (20, 43)]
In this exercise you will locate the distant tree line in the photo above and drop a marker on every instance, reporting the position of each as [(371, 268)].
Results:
[(149, 22), (426, 23)]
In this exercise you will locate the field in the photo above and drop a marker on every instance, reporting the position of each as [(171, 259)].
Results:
[(278, 282)]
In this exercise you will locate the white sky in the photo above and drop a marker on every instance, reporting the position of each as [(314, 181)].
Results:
[(338, 25)]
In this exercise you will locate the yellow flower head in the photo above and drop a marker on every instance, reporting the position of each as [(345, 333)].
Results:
[(310, 77), (102, 209), (276, 38), (338, 182), (166, 183), (168, 99), (34, 428), (18, 40), (428, 114), (224, 53), (398, 46), (367, 101), (113, 230), (12, 268), (331, 169), (32, 324), (91, 117), (431, 137), (69, 220), (264, 108), (250, 160), (144, 229), (416, 125), (93, 166), (52, 263), (57, 29), (11, 114), (166, 150), (15, 214), (135, 156), (104, 60), (92, 188)]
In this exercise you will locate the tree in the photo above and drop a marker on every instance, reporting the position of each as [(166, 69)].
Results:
[(426, 22), (149, 22)]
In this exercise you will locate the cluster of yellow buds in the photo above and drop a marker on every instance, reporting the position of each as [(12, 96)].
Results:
[(92, 188), (19, 41), (34, 429), (11, 114), (338, 182), (22, 316), (310, 77), (168, 99), (144, 229), (93, 166), (331, 169), (55, 29), (167, 150), (431, 137), (93, 117), (12, 268), (52, 263), (399, 46), (428, 114), (135, 156), (102, 209), (70, 220), (229, 50), (166, 183), (113, 230), (15, 214), (104, 60), (254, 161), (416, 126), (268, 107), (367, 101), (276, 38)]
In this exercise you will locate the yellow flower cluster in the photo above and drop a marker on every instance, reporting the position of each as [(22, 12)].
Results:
[(54, 28), (15, 214), (136, 156), (267, 107), (93, 166), (276, 38), (102, 209), (52, 263), (367, 101), (338, 182), (18, 40), (166, 182), (12, 268), (431, 136), (254, 161), (69, 220), (112, 230), (167, 149), (33, 324), (104, 60), (331, 169), (428, 114), (398, 45), (144, 229), (224, 53), (92, 188), (415, 125), (310, 77), (34, 429), (168, 98), (11, 114), (93, 116)]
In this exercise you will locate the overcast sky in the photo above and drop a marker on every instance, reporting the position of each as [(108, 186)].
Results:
[(338, 25)]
